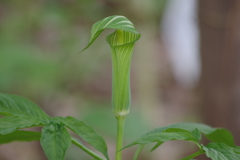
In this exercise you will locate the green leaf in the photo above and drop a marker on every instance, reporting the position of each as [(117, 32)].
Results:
[(220, 151), (20, 136), (167, 135), (55, 141), (201, 151), (9, 124), (121, 42), (219, 135), (156, 146), (87, 133), (19, 106), (195, 133)]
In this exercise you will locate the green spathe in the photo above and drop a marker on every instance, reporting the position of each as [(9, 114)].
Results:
[(121, 42)]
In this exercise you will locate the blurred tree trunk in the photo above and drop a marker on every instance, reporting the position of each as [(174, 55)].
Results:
[(219, 22)]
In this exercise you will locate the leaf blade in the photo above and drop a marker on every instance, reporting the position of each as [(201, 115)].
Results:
[(220, 151), (20, 135), (55, 141), (219, 135), (156, 146), (167, 135), (87, 133), (9, 124), (19, 106)]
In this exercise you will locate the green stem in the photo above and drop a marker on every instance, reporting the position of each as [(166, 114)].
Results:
[(85, 149), (140, 147), (193, 155), (120, 129)]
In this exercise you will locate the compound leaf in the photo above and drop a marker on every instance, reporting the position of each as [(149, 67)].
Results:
[(167, 135), (162, 134), (219, 135)]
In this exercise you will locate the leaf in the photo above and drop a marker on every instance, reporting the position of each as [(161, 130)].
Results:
[(220, 151), (196, 154), (87, 133), (219, 135), (121, 42), (19, 106), (55, 141), (20, 136), (194, 132), (156, 146), (167, 135), (214, 134), (9, 124)]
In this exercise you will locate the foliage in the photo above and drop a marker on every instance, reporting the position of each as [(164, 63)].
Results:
[(19, 113)]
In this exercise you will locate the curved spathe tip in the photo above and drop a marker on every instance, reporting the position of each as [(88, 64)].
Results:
[(117, 22)]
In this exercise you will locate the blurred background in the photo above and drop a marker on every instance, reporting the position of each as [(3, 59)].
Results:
[(185, 67)]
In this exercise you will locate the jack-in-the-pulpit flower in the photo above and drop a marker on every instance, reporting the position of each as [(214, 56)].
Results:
[(121, 42)]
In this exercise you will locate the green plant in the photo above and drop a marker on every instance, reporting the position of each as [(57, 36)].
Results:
[(19, 113)]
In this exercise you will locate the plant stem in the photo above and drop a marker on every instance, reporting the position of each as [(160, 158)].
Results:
[(85, 149), (120, 129), (140, 147), (193, 155)]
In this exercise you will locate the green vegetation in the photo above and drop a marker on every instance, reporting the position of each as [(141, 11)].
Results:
[(19, 113)]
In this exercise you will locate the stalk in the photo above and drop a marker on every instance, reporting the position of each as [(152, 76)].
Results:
[(122, 43), (120, 130), (88, 151), (121, 62), (193, 155), (138, 151), (121, 97)]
